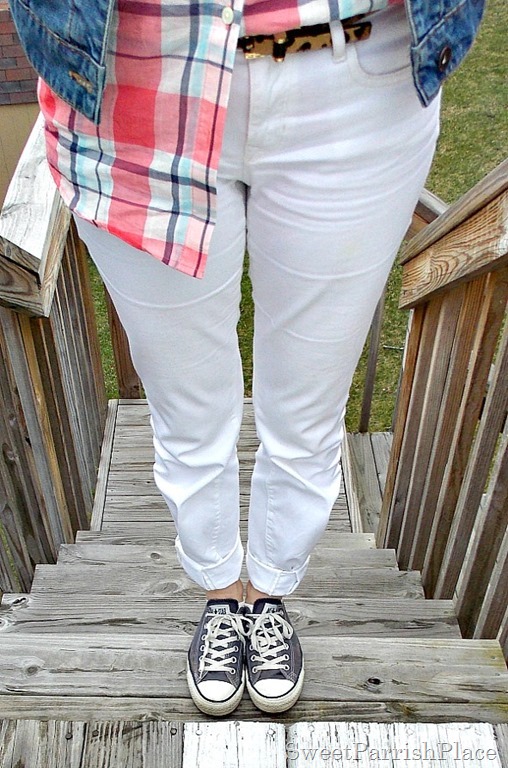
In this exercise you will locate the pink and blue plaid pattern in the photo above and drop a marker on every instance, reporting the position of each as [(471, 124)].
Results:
[(148, 172)]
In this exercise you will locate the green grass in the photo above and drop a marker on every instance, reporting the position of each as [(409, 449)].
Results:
[(474, 139)]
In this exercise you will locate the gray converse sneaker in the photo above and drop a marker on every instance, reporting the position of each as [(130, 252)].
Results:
[(215, 662), (274, 657)]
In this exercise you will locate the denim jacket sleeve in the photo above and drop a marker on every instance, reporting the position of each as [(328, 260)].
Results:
[(66, 42)]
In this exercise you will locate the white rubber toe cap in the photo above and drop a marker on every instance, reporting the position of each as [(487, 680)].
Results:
[(273, 688), (216, 690)]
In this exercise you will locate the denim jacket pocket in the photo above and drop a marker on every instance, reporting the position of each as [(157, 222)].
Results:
[(66, 50), (439, 47)]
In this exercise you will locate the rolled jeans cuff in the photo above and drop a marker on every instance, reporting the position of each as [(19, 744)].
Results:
[(215, 576), (274, 581)]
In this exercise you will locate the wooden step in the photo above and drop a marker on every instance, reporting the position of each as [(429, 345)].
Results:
[(156, 579), (434, 744), (139, 708), (121, 512), (399, 671), (69, 744), (316, 617), (152, 744), (135, 554), (149, 538)]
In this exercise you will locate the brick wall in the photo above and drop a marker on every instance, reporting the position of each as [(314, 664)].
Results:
[(18, 81)]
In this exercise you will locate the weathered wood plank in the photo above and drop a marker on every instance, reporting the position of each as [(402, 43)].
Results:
[(101, 744), (388, 529), (15, 562), (476, 475), (177, 709), (234, 745), (124, 512), (128, 509), (131, 554), (424, 327), (72, 331), (104, 466), (342, 669), (364, 476), (20, 478), (435, 358), (164, 580), (364, 744), (486, 341), (503, 635), (34, 410), (372, 358), (482, 573), (350, 488), (439, 435), (479, 245), (315, 617), (43, 744), (160, 537), (33, 229), (490, 187), (381, 447), (493, 612), (501, 734), (133, 413), (133, 744), (57, 396)]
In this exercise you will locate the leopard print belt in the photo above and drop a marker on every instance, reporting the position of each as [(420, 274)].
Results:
[(303, 39)]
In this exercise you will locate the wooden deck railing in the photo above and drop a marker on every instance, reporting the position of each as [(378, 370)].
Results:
[(445, 508), (53, 398)]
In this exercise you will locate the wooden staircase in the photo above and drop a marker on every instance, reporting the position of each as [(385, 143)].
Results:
[(103, 633)]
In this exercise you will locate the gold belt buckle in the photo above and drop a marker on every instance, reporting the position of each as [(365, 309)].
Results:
[(274, 46)]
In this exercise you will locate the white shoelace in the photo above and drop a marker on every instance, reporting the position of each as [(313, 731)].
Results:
[(268, 635), (221, 641)]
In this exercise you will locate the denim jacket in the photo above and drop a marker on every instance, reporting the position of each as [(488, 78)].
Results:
[(66, 42)]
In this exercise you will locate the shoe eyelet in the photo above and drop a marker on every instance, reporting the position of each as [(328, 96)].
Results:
[(286, 667), (201, 648)]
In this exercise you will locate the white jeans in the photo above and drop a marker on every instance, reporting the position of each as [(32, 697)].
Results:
[(323, 161)]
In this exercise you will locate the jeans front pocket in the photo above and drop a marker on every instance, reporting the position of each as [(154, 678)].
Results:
[(384, 58)]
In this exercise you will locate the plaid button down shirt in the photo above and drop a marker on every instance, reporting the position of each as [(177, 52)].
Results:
[(148, 172)]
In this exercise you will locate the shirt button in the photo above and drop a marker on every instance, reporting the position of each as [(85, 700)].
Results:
[(444, 58), (228, 15)]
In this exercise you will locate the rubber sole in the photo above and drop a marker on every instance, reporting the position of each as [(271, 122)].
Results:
[(214, 708)]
